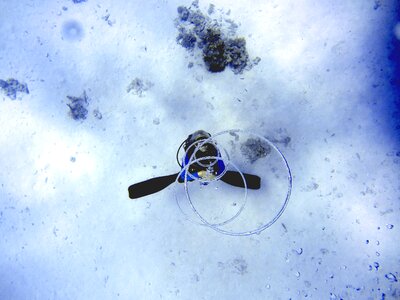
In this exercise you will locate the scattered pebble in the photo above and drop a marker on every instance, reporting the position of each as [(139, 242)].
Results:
[(389, 226), (97, 114), (217, 40)]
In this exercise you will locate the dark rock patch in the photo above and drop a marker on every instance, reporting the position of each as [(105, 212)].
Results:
[(217, 40), (78, 106), (12, 86), (254, 149)]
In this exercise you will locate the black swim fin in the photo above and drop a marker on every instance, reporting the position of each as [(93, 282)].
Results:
[(234, 178), (151, 186)]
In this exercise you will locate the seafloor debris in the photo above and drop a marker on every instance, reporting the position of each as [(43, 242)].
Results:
[(217, 40), (12, 86), (107, 19), (97, 114), (156, 121), (211, 9), (254, 149), (139, 86), (280, 137), (78, 106), (237, 265), (284, 140)]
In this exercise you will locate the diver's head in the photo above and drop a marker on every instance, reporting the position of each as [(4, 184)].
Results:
[(197, 136)]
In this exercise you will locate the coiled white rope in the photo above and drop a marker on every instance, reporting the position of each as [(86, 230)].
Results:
[(227, 162)]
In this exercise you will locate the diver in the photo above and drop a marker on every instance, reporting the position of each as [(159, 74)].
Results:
[(204, 168), (207, 166)]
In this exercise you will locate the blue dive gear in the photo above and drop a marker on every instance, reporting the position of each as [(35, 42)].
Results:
[(218, 169), (199, 147)]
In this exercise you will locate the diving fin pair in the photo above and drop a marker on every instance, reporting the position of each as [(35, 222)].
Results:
[(157, 184)]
